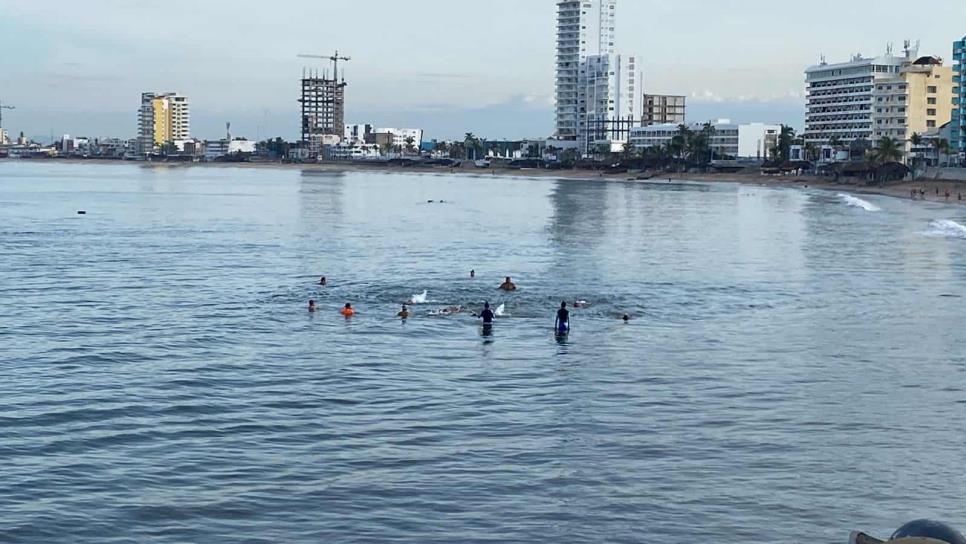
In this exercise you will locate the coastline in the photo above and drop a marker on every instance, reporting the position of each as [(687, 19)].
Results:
[(901, 190)]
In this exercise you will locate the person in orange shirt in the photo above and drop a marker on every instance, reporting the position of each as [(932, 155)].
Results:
[(348, 311)]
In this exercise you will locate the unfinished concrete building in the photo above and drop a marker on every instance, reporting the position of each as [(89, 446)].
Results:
[(662, 109), (323, 110)]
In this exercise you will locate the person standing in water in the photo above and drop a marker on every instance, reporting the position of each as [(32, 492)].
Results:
[(322, 280), (487, 315), (508, 285), (472, 274), (404, 313), (348, 312), (562, 323), (311, 306)]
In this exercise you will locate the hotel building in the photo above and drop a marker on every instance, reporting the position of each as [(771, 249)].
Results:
[(873, 98), (958, 126), (163, 118)]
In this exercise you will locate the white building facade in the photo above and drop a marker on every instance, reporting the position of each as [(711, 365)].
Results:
[(162, 118), (728, 140), (596, 89), (401, 135)]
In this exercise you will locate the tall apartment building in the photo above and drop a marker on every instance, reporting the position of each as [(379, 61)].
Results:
[(163, 118), (958, 126), (872, 98), (659, 109), (595, 87)]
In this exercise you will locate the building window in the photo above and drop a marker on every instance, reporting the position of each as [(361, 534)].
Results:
[(931, 89), (931, 101), (931, 124), (931, 112)]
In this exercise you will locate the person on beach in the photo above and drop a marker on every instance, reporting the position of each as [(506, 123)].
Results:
[(947, 195), (311, 306), (404, 313), (508, 285), (562, 323), (347, 311), (322, 280)]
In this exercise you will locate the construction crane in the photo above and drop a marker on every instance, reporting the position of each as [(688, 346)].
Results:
[(2, 107), (335, 62)]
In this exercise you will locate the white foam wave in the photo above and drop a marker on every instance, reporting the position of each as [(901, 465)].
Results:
[(855, 202), (420, 299), (944, 228), (500, 310)]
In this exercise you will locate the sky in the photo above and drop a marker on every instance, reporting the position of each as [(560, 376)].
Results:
[(448, 67)]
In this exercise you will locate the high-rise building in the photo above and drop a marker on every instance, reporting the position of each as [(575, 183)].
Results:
[(660, 109), (3, 137), (323, 110), (163, 118), (872, 98), (591, 81), (958, 126)]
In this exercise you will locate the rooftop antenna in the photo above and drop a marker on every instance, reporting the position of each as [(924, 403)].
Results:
[(228, 130), (889, 49)]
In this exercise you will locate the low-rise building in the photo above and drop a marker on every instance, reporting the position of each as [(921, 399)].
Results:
[(400, 137), (728, 140), (359, 134), (220, 149)]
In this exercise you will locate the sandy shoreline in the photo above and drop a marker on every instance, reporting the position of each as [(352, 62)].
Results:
[(897, 190)]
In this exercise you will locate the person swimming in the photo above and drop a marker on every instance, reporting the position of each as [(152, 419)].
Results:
[(451, 310), (311, 306), (472, 273), (404, 313), (347, 311), (508, 285), (486, 315), (562, 323), (322, 280), (626, 318)]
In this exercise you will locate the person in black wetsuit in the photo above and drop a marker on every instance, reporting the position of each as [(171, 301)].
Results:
[(562, 324), (487, 315)]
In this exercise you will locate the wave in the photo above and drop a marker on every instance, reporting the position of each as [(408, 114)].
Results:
[(500, 310), (855, 202), (420, 299), (944, 228)]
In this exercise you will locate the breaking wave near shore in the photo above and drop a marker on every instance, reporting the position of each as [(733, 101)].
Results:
[(856, 202), (946, 228)]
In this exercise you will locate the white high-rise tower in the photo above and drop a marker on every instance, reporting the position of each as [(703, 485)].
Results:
[(595, 87)]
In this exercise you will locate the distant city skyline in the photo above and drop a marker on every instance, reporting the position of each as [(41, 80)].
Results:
[(446, 67)]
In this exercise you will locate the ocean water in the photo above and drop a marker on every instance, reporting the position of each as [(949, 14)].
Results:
[(795, 367)]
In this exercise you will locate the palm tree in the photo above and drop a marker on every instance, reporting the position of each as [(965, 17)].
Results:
[(442, 147), (471, 143), (916, 141), (811, 152), (942, 150), (409, 144), (887, 150), (785, 138)]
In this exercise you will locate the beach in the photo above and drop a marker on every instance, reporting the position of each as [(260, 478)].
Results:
[(898, 189)]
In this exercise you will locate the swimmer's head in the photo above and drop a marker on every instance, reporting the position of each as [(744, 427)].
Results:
[(563, 304), (486, 305), (626, 318), (348, 306)]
